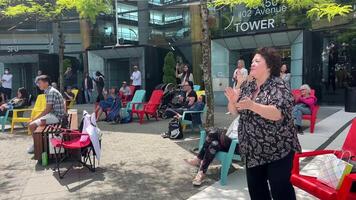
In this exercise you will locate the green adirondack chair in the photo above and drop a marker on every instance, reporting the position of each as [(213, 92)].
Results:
[(137, 98), (4, 119), (225, 158), (186, 123)]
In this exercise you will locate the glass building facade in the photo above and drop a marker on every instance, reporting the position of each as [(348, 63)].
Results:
[(317, 52)]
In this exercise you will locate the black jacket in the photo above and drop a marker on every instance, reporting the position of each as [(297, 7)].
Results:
[(90, 83)]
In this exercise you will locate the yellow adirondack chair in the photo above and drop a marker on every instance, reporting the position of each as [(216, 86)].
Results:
[(72, 102), (39, 107), (200, 92)]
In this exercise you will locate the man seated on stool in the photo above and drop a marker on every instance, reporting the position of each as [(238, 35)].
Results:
[(55, 107)]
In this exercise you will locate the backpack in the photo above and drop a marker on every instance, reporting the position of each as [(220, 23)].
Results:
[(175, 129), (125, 116)]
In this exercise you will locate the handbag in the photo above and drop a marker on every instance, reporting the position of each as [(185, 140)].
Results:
[(333, 170)]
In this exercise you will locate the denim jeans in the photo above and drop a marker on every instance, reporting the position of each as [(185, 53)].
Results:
[(88, 96), (298, 111)]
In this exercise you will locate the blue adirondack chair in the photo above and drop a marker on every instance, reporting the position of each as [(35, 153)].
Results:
[(137, 98), (3, 120), (225, 158), (186, 123), (196, 87)]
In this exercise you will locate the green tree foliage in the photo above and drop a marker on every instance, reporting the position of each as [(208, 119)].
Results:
[(316, 8), (66, 63), (169, 69), (55, 10), (50, 10), (330, 10)]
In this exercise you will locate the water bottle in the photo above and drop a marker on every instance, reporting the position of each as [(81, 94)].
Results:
[(44, 159)]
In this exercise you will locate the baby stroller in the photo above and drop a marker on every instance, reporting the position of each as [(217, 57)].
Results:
[(169, 99)]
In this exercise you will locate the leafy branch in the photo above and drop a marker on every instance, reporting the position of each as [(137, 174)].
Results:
[(329, 10), (316, 8)]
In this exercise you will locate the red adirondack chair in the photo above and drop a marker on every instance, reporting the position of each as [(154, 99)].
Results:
[(312, 118), (150, 108), (314, 187)]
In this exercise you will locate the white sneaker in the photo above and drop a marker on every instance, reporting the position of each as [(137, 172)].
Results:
[(31, 149), (228, 113)]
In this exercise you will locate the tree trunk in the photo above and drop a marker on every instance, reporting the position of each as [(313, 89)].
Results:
[(61, 55), (206, 66), (85, 34), (196, 36)]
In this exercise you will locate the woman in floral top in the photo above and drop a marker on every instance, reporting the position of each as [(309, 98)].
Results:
[(267, 136)]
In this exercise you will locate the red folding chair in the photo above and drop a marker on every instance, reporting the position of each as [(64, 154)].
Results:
[(150, 108), (314, 187), (312, 118), (70, 140)]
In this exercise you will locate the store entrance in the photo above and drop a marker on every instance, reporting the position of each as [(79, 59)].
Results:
[(247, 56)]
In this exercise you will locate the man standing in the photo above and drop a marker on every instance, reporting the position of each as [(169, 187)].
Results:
[(136, 78), (68, 77), (6, 81), (55, 107), (88, 88), (240, 71)]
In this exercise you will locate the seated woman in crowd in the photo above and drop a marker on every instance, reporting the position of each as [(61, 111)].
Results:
[(197, 106), (68, 95), (20, 101), (124, 91), (186, 100), (304, 106), (105, 105), (194, 117), (216, 140)]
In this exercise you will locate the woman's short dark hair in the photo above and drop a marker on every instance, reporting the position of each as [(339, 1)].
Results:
[(44, 78), (191, 84), (23, 92), (273, 59)]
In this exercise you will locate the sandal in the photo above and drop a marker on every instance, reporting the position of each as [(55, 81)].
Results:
[(199, 179)]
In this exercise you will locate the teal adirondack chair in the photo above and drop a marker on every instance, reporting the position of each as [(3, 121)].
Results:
[(3, 120), (137, 98), (225, 158), (186, 123)]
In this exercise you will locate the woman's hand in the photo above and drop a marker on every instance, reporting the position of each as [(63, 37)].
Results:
[(245, 104), (232, 95)]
